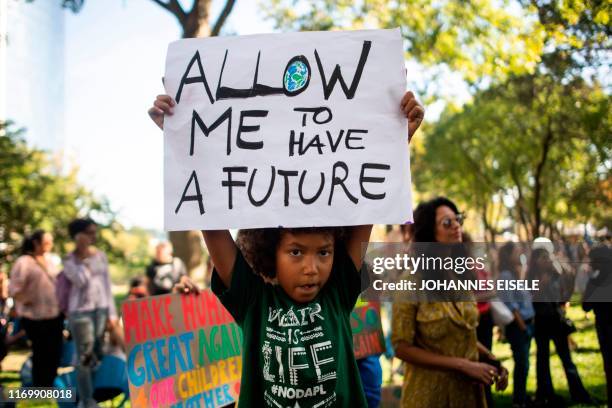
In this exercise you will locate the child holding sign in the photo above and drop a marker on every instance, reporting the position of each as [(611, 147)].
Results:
[(298, 348)]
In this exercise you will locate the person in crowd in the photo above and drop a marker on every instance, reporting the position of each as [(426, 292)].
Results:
[(520, 331), (370, 371), (370, 368), (165, 270), (582, 267), (484, 330), (4, 293), (91, 306), (552, 324), (438, 340), (597, 297), (4, 321), (32, 286), (139, 288), (317, 275), (15, 334), (405, 236)]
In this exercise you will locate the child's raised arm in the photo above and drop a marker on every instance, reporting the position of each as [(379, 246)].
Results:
[(220, 243), (359, 234), (222, 250)]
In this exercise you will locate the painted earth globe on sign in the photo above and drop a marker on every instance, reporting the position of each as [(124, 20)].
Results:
[(296, 76)]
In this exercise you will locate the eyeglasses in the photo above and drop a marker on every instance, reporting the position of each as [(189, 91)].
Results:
[(447, 222)]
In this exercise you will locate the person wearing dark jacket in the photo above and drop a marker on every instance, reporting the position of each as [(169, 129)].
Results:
[(551, 324), (597, 298), (165, 270)]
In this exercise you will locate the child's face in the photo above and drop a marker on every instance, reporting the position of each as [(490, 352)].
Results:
[(304, 263)]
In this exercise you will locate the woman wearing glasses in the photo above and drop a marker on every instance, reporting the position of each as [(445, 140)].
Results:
[(438, 340)]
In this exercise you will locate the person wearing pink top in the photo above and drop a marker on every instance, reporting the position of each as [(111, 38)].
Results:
[(32, 286)]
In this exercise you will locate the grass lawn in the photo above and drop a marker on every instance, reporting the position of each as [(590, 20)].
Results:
[(586, 357)]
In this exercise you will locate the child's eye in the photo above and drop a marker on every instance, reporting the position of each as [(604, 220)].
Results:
[(325, 252), (295, 252)]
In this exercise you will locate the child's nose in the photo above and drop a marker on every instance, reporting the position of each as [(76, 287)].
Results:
[(310, 265)]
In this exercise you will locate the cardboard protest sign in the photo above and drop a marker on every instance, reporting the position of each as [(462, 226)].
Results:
[(183, 350), (368, 337), (186, 350), (293, 130)]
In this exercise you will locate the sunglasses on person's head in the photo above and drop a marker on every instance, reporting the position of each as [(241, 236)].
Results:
[(447, 222)]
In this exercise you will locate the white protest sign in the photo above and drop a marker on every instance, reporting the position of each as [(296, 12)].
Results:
[(292, 130)]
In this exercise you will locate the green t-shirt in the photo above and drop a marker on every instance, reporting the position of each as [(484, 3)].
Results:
[(296, 355)]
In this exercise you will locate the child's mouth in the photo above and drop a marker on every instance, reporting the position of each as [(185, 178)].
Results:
[(308, 288)]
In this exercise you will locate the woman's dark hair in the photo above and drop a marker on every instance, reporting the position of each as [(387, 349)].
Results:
[(533, 271), (505, 258), (79, 225), (136, 281), (424, 227), (27, 247), (259, 245)]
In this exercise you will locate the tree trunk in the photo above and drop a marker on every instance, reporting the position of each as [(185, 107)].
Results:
[(188, 245), (520, 207), (197, 24), (485, 222), (537, 193)]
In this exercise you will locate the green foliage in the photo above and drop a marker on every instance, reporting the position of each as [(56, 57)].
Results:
[(578, 33), (538, 146), (479, 39), (134, 252), (483, 40), (534, 147), (36, 191)]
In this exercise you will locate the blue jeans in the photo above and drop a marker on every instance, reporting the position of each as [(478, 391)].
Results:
[(370, 371), (88, 332), (520, 342)]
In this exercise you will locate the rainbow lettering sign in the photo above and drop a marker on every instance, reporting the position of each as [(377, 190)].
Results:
[(368, 337), (183, 350)]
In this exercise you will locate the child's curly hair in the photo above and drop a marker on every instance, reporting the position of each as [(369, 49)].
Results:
[(258, 246)]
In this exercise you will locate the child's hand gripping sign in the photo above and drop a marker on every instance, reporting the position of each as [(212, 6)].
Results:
[(293, 130)]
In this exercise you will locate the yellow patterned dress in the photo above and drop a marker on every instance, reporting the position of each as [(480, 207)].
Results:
[(444, 328)]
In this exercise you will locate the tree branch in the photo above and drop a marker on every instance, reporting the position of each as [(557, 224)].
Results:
[(227, 9), (537, 206), (173, 7), (478, 168), (521, 207)]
